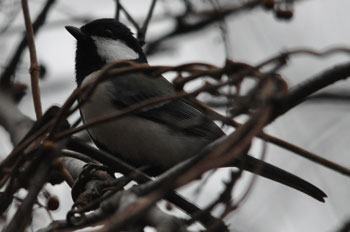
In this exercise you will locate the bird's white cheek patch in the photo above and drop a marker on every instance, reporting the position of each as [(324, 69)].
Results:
[(113, 50)]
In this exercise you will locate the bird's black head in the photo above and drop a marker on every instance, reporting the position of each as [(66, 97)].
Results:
[(103, 41)]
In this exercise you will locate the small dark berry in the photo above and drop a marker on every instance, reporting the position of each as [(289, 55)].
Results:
[(53, 203)]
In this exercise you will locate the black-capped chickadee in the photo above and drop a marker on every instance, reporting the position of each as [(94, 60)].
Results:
[(158, 136)]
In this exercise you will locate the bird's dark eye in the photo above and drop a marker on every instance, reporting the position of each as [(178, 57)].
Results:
[(108, 33)]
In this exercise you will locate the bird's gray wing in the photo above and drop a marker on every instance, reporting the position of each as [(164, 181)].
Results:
[(179, 114), (188, 117)]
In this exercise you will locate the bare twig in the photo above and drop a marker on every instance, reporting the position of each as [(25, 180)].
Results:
[(223, 31), (117, 10), (149, 16), (34, 67), (307, 154), (142, 32), (129, 17)]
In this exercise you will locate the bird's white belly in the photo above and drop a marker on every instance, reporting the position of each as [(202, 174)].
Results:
[(139, 140)]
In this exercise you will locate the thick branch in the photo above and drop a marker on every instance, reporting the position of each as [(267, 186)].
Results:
[(299, 93)]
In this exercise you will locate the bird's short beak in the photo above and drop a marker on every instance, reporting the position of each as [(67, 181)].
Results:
[(76, 32)]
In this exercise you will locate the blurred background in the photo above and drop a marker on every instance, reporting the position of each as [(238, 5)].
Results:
[(252, 36)]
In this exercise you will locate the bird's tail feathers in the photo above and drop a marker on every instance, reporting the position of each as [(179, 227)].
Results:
[(274, 173)]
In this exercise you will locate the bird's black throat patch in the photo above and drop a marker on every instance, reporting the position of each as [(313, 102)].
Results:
[(87, 60)]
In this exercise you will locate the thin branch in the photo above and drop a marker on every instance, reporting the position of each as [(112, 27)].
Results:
[(223, 31), (129, 17), (149, 16), (117, 10), (34, 67), (283, 56), (307, 154), (142, 32)]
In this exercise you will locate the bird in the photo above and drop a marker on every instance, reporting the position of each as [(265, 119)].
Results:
[(159, 136)]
